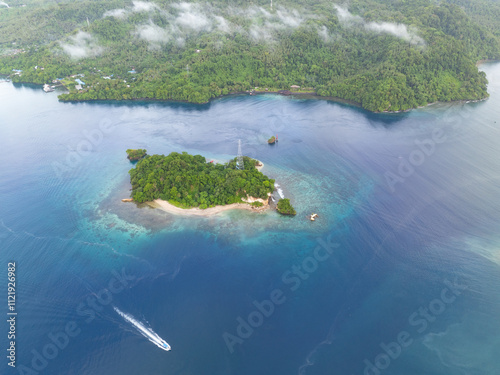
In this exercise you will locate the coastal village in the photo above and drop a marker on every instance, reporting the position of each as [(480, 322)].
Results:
[(76, 85)]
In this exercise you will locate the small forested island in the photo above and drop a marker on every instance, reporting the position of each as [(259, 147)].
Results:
[(188, 181), (272, 140), (383, 55), (134, 155), (285, 208)]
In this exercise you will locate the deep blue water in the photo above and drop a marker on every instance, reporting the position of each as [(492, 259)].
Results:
[(404, 224)]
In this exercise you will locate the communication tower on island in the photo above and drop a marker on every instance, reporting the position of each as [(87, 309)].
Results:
[(239, 159)]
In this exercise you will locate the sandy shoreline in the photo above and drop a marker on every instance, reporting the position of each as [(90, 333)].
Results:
[(170, 208)]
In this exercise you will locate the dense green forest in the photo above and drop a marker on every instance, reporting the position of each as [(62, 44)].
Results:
[(285, 207), (386, 55), (189, 181), (137, 154)]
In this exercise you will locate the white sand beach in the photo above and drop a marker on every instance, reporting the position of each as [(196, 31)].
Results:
[(170, 208)]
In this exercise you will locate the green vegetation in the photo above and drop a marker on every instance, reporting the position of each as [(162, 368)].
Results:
[(257, 204), (386, 55), (134, 155), (285, 208), (271, 140), (189, 181)]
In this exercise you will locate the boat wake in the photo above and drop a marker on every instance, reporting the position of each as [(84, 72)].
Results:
[(280, 191), (146, 332)]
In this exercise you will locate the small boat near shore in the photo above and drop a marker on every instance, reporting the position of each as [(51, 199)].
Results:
[(47, 88)]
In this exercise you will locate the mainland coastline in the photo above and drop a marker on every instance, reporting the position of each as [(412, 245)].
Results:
[(298, 94), (309, 94), (301, 95)]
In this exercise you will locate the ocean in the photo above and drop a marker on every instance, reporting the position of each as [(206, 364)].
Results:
[(399, 274)]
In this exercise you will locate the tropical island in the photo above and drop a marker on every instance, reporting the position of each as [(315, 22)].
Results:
[(184, 183), (284, 207), (384, 55), (135, 155)]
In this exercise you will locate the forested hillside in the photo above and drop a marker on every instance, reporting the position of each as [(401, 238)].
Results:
[(387, 55), (189, 181)]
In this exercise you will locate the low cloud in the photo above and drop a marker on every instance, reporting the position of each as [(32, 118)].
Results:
[(137, 7), (223, 24), (153, 34), (82, 45), (324, 34), (345, 16), (141, 6), (117, 13), (397, 29), (262, 25), (289, 18), (192, 16), (265, 24), (184, 19)]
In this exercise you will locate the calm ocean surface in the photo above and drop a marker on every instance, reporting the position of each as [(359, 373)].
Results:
[(409, 219)]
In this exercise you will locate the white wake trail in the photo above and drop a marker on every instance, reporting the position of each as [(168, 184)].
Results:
[(280, 191), (146, 332)]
